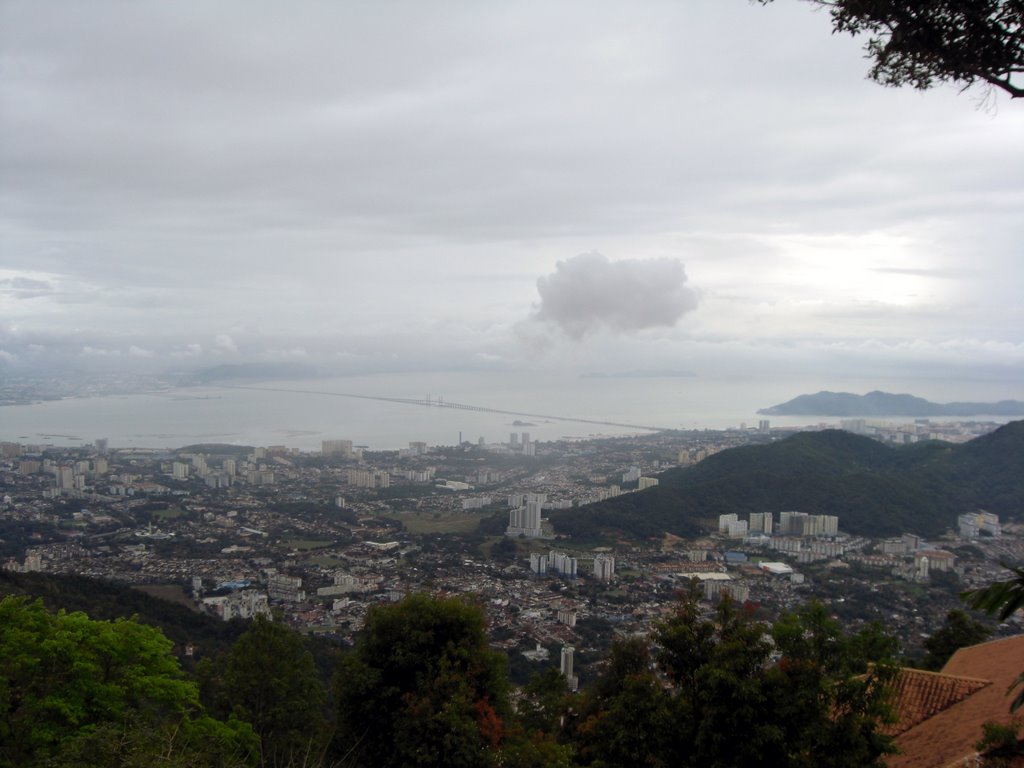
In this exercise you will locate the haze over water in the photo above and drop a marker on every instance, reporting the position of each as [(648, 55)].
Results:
[(183, 416)]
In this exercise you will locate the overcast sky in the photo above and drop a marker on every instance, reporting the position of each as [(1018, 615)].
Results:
[(709, 186)]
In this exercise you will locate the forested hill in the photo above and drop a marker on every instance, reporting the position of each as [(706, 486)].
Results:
[(875, 489)]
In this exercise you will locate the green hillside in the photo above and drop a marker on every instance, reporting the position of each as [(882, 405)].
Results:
[(876, 490), (107, 600)]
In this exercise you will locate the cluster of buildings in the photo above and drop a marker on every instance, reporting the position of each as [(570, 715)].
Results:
[(790, 524), (322, 543)]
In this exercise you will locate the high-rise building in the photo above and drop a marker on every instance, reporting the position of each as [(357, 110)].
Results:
[(525, 520), (562, 564), (66, 478), (342, 448), (538, 563), (566, 667), (604, 567), (10, 450)]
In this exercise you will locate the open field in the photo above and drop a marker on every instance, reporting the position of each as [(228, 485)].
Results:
[(174, 593), (427, 523), (168, 514)]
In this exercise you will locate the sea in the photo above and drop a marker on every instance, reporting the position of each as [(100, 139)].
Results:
[(301, 413)]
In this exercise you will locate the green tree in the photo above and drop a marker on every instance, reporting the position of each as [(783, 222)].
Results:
[(1000, 745), (958, 631), (421, 687), (832, 690), (543, 701), (271, 681), (74, 691), (802, 693), (911, 42), (626, 718)]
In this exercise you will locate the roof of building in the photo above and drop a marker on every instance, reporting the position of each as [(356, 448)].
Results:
[(941, 714), (921, 695)]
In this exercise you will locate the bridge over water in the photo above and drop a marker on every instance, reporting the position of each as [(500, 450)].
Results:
[(440, 402)]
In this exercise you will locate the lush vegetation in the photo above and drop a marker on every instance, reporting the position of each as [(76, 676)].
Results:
[(75, 691), (875, 489), (422, 687), (107, 600)]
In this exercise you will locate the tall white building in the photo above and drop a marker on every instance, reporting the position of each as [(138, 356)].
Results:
[(604, 567), (562, 564), (566, 666), (525, 520)]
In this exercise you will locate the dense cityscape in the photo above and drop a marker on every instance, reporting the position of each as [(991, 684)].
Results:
[(320, 537)]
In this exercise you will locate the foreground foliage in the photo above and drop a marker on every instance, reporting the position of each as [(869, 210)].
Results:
[(422, 687), (740, 693), (74, 691), (922, 43)]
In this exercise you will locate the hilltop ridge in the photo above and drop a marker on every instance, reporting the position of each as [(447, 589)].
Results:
[(876, 490)]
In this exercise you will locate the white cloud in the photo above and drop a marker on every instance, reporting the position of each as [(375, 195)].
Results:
[(224, 343), (588, 293)]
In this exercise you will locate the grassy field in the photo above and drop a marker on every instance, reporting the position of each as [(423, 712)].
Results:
[(427, 523), (175, 593), (168, 514)]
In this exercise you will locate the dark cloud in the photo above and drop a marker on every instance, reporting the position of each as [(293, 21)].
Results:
[(589, 292)]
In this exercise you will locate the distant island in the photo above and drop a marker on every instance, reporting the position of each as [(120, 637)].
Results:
[(886, 404)]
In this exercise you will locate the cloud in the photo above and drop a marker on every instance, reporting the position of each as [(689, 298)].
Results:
[(589, 292), (20, 287), (225, 343), (91, 351)]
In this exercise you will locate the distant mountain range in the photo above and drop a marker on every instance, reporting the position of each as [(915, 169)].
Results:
[(885, 404), (876, 489)]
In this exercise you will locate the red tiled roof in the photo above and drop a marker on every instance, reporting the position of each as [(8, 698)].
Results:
[(947, 736), (921, 695)]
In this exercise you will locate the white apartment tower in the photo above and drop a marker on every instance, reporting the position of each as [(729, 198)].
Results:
[(525, 520), (566, 666), (604, 567)]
